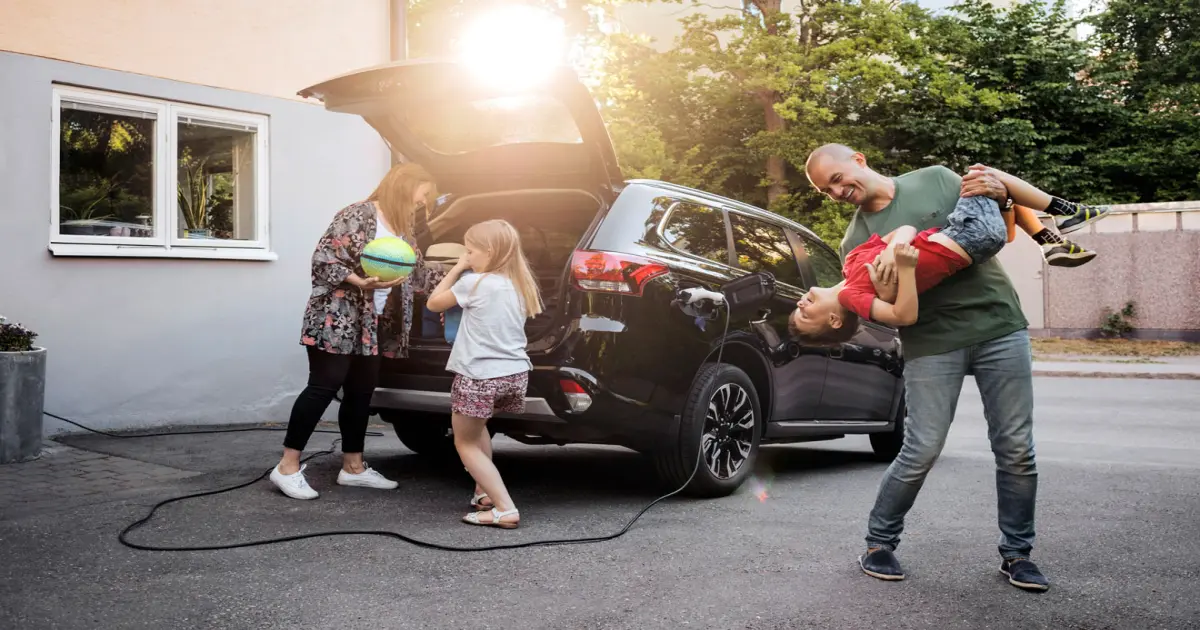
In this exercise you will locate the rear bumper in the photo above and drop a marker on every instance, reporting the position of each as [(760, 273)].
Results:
[(610, 419)]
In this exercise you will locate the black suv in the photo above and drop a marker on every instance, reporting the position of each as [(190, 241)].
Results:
[(617, 360)]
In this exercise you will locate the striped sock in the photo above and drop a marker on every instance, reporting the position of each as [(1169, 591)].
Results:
[(1062, 208), (1047, 236)]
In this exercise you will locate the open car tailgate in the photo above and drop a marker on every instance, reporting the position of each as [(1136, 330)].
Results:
[(476, 137)]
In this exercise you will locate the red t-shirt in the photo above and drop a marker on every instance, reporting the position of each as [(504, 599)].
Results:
[(936, 263)]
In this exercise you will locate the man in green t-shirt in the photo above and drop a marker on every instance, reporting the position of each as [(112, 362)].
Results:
[(971, 323)]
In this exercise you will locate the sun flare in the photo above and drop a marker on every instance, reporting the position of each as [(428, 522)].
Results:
[(514, 47)]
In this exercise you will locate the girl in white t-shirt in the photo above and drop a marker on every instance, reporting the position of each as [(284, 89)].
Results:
[(488, 358)]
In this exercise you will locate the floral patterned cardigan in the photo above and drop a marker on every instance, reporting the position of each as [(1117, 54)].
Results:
[(340, 318)]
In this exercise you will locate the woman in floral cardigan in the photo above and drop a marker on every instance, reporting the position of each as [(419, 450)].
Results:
[(344, 332)]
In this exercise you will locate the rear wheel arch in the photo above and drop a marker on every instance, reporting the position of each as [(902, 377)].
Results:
[(749, 360), (714, 427)]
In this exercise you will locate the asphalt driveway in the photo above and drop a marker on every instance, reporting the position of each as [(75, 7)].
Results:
[(1118, 515)]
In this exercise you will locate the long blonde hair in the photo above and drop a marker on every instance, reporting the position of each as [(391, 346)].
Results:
[(394, 195), (503, 245)]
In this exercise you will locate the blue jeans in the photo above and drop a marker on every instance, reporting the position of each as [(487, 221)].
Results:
[(1003, 370)]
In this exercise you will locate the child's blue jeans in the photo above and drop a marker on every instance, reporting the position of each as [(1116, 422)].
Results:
[(977, 227)]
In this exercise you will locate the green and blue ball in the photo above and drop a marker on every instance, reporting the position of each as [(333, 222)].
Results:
[(388, 258)]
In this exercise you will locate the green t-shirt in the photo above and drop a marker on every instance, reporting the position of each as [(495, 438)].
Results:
[(975, 305)]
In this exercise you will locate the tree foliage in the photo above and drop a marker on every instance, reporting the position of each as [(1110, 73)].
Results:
[(1111, 118)]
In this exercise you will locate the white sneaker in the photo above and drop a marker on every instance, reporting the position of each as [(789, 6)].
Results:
[(293, 485), (368, 478)]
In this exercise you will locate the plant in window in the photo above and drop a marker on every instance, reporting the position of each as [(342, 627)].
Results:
[(196, 195)]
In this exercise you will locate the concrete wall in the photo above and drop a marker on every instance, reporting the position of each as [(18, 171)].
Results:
[(1147, 253), (270, 47), (1022, 260), (142, 342)]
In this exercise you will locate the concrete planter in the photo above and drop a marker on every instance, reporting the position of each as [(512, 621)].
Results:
[(22, 396)]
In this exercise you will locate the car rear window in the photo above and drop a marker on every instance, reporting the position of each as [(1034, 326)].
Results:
[(461, 126), (762, 246)]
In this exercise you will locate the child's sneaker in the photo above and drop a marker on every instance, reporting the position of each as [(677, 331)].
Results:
[(1060, 252), (1066, 254), (293, 485), (1082, 217)]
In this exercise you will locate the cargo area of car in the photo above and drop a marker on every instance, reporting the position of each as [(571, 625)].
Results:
[(551, 224)]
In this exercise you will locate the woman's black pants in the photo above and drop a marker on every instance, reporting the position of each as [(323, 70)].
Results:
[(357, 376)]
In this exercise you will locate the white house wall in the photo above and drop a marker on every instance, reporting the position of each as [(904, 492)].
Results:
[(270, 47), (147, 342)]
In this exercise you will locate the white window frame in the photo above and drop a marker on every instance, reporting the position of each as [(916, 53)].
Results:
[(166, 242)]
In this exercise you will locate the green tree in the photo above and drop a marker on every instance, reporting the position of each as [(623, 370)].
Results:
[(1007, 88), (1149, 64), (740, 99)]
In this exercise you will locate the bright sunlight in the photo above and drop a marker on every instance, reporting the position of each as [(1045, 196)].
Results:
[(514, 47)]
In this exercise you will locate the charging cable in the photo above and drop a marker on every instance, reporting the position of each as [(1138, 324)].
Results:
[(693, 297)]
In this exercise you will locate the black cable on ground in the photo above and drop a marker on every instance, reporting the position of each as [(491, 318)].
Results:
[(123, 536)]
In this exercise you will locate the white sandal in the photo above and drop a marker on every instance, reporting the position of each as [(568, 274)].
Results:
[(473, 519), (476, 505)]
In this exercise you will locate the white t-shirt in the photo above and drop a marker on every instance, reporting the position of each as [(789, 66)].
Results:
[(491, 334), (381, 295)]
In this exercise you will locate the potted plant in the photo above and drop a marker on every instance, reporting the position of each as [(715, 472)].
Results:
[(195, 195), (22, 393)]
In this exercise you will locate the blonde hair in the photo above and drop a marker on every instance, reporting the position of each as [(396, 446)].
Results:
[(394, 195), (503, 245)]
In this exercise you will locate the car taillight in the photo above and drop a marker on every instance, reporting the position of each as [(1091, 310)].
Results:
[(577, 398), (570, 387), (613, 273)]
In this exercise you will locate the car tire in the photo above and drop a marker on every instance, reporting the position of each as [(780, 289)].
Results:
[(887, 445), (423, 433), (732, 434)]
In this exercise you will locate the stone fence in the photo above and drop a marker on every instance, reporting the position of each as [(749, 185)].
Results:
[(1148, 254)]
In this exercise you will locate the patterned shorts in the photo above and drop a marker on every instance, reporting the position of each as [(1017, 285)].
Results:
[(480, 398)]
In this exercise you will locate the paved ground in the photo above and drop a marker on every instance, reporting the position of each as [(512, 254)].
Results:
[(1119, 529), (1178, 368)]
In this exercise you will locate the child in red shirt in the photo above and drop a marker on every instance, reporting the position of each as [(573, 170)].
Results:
[(975, 232)]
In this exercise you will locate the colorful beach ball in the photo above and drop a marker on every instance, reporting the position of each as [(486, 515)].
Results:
[(388, 258)]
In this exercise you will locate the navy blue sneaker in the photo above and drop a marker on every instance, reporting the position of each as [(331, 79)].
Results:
[(881, 563), (1024, 574), (1084, 216), (1064, 253)]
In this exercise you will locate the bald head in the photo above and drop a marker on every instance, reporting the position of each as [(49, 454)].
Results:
[(842, 174), (831, 151)]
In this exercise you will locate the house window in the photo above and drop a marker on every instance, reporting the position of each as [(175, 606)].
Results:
[(143, 177)]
